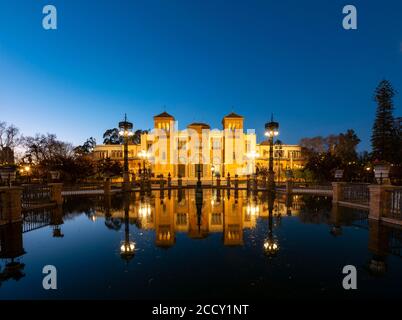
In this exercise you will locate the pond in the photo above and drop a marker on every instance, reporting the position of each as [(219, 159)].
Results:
[(199, 244)]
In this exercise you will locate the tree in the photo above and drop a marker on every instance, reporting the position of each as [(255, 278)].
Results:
[(326, 154), (109, 168), (86, 148), (345, 149), (383, 134), (9, 136), (314, 145), (111, 136), (46, 149), (137, 136)]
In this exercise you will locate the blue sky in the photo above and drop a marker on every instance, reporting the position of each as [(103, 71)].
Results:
[(201, 59)]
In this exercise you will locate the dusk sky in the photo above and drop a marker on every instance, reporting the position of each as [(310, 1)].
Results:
[(201, 60)]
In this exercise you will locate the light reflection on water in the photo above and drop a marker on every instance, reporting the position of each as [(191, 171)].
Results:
[(199, 244)]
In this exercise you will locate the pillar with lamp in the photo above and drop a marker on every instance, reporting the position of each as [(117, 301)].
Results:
[(271, 131), (126, 132)]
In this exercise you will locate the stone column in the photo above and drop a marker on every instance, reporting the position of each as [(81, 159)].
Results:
[(55, 192), (10, 204), (377, 201), (337, 191)]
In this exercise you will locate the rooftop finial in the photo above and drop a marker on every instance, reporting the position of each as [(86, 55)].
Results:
[(125, 117), (272, 117)]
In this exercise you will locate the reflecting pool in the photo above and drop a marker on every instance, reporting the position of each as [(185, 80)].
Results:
[(199, 244)]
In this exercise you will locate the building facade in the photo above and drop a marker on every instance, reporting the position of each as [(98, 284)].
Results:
[(198, 148)]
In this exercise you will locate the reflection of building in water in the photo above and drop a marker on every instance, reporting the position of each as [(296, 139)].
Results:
[(167, 216), (11, 248), (220, 213)]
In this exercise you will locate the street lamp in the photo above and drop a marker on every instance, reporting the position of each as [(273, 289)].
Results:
[(271, 131), (126, 132)]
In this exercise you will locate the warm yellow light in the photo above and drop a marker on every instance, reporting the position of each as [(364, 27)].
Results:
[(27, 168), (270, 246), (127, 247), (143, 154), (145, 210), (252, 210), (253, 154)]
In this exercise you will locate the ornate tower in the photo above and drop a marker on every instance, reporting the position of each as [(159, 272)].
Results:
[(233, 143)]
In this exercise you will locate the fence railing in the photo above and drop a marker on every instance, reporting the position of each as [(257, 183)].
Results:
[(35, 219), (34, 194), (356, 192), (394, 204)]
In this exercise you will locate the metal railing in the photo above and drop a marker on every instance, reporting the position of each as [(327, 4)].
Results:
[(394, 204), (35, 194), (356, 192), (36, 219)]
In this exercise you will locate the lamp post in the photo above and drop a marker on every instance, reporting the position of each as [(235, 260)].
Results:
[(213, 171), (271, 131), (126, 132)]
